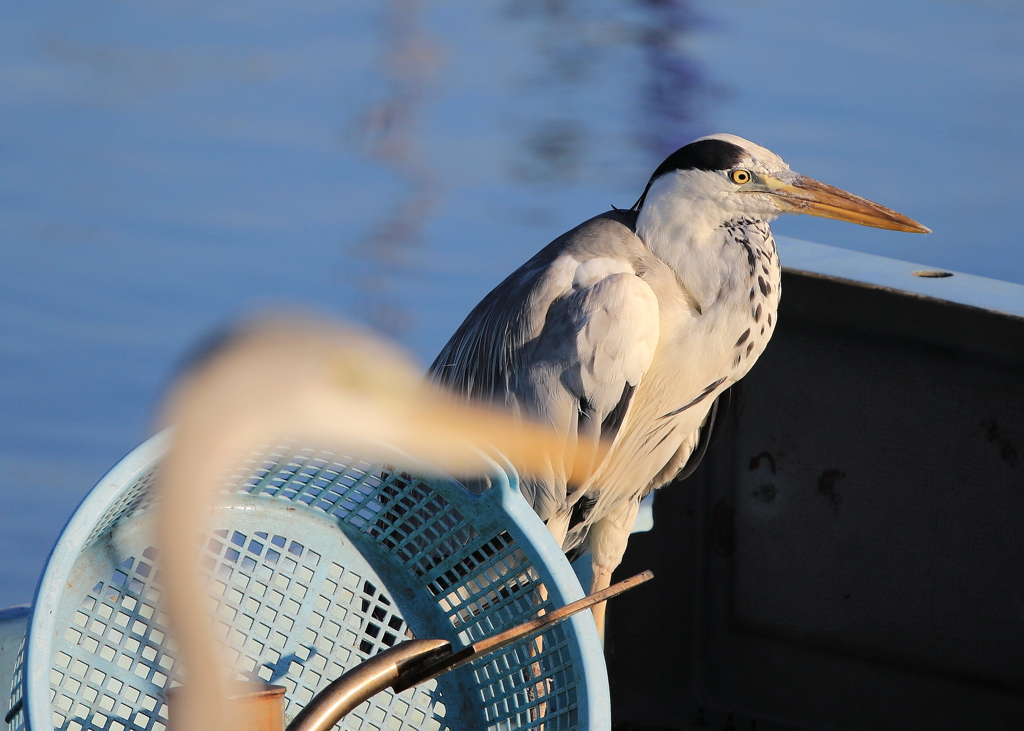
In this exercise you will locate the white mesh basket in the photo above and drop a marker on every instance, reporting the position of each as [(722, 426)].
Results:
[(319, 560)]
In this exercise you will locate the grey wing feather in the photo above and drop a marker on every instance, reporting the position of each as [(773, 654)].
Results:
[(481, 359), (547, 341)]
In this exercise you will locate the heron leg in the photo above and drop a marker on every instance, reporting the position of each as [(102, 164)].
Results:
[(602, 580), (607, 542)]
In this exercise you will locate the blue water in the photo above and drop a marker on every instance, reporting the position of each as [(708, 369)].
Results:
[(167, 168)]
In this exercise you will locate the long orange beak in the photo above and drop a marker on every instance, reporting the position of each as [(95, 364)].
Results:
[(806, 195)]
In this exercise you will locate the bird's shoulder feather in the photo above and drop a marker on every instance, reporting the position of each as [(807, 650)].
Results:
[(502, 331), (565, 339)]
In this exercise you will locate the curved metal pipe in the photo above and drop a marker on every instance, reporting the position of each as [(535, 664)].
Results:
[(416, 661), (363, 681)]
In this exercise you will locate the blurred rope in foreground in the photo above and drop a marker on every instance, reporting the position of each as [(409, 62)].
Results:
[(301, 380)]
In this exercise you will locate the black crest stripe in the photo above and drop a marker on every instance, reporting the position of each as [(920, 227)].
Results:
[(699, 155)]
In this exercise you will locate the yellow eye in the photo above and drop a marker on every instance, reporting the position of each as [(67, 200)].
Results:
[(740, 176)]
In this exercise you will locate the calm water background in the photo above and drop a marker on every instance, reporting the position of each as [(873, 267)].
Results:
[(168, 167)]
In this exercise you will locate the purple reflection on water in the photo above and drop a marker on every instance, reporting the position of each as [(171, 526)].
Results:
[(394, 139), (573, 44), (676, 91)]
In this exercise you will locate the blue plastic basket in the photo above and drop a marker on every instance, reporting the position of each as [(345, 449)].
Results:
[(319, 560)]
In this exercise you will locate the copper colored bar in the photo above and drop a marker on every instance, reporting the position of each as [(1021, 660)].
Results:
[(361, 682), (416, 673), (415, 661)]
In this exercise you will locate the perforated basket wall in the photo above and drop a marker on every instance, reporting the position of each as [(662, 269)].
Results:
[(319, 560)]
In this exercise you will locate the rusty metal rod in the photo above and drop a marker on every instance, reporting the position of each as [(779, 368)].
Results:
[(419, 673), (415, 661), (361, 682)]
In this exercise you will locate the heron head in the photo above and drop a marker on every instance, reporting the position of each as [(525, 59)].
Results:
[(722, 176)]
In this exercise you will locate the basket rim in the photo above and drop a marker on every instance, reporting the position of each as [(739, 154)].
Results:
[(62, 558)]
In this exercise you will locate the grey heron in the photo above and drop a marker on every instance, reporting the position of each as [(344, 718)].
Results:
[(625, 333)]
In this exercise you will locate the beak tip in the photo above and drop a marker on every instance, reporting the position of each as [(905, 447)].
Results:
[(806, 195)]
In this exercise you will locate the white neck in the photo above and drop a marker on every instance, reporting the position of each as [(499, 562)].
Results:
[(681, 225)]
